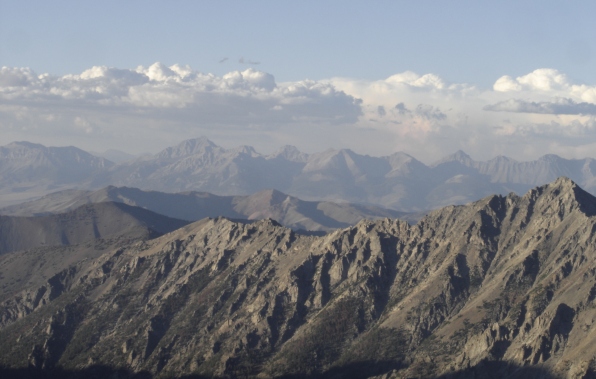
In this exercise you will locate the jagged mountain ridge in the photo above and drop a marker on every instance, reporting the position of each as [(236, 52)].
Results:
[(398, 181), (545, 169), (192, 206), (503, 287), (84, 223)]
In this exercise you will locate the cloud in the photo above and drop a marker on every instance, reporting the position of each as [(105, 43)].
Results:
[(544, 79), (546, 82), (16, 77), (174, 100), (558, 107), (422, 114), (429, 112), (401, 109), (412, 79), (175, 87)]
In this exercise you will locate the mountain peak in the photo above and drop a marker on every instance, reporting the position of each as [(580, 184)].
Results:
[(268, 197), (29, 145), (188, 147), (245, 149), (550, 158), (564, 182), (290, 153), (459, 156), (568, 194)]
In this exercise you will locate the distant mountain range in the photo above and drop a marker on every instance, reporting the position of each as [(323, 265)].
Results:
[(398, 181), (192, 206), (29, 170)]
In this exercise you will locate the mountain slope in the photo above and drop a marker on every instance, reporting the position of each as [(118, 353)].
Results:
[(193, 206), (503, 287), (88, 222), (28, 170)]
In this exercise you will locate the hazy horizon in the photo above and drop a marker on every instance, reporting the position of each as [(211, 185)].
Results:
[(500, 79)]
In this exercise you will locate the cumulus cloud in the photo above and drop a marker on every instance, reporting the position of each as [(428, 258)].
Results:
[(544, 79), (428, 114), (546, 82), (174, 100), (422, 114), (176, 87)]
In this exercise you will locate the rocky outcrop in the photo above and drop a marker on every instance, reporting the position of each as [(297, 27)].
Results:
[(504, 286)]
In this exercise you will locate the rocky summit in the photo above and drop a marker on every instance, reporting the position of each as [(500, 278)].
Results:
[(503, 287)]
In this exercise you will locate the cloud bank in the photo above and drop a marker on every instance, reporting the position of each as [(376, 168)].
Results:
[(148, 108), (557, 107)]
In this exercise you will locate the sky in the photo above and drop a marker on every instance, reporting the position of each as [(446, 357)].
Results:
[(423, 77)]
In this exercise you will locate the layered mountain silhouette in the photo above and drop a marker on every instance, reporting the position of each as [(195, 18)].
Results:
[(192, 206), (31, 170), (398, 181), (502, 287), (91, 221)]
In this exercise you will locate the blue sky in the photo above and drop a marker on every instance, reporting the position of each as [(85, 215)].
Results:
[(347, 46)]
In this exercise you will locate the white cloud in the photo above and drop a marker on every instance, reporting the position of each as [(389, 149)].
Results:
[(543, 79), (546, 82), (414, 80), (427, 114), (422, 114), (175, 101), (159, 86)]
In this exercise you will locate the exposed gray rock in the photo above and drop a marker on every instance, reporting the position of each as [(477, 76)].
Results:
[(503, 286)]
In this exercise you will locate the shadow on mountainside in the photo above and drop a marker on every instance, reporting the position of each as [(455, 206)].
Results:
[(499, 369), (362, 369), (356, 370), (484, 370), (91, 372)]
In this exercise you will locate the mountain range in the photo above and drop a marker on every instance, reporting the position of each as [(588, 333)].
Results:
[(398, 181), (192, 206), (501, 287), (29, 170)]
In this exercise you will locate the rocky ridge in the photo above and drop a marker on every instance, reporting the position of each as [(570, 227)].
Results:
[(398, 181), (503, 287)]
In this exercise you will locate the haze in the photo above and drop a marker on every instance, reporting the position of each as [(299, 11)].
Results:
[(427, 79)]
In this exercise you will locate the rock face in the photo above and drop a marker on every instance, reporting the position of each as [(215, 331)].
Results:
[(503, 287)]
